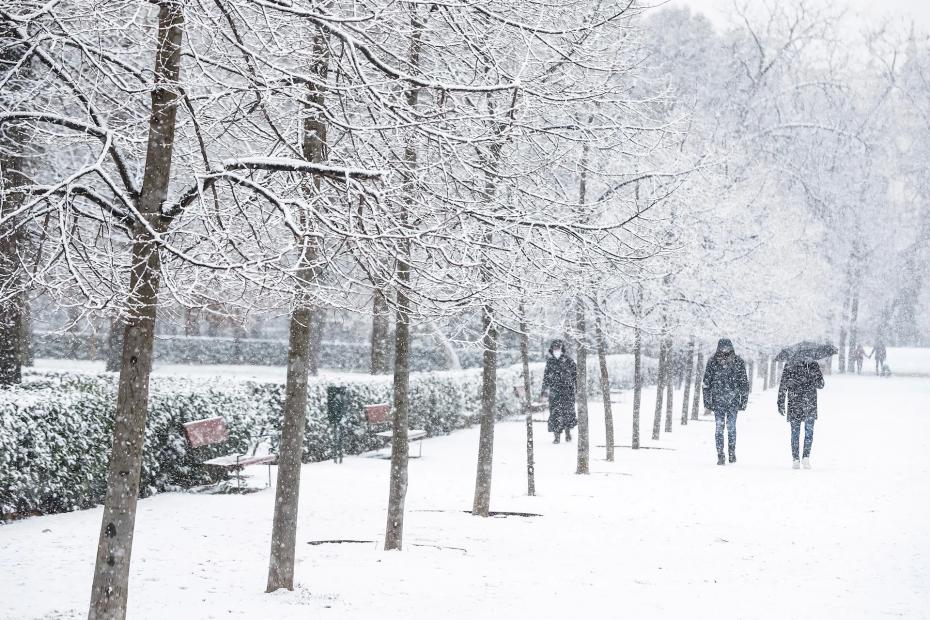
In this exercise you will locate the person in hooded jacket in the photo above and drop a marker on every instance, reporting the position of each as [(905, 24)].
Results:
[(800, 381), (726, 393), (559, 382)]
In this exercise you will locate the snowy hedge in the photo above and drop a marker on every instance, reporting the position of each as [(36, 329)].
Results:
[(55, 428)]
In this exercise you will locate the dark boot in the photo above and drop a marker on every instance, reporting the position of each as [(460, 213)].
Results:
[(721, 460), (733, 457), (568, 434), (558, 437)]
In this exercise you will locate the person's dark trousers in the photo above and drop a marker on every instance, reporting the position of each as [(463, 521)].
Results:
[(796, 436), (726, 417)]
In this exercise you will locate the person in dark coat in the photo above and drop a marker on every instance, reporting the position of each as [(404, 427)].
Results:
[(726, 392), (559, 382), (880, 352), (800, 381)]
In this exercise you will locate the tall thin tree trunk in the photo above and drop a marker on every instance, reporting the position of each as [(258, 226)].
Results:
[(841, 347), (482, 504), (287, 491), (763, 370), (110, 590), (773, 375), (689, 376), (698, 386), (380, 333), (660, 387), (669, 385), (527, 389), (400, 444), (302, 352), (317, 326), (637, 383), (751, 372), (605, 384), (581, 392), (26, 351), (853, 327)]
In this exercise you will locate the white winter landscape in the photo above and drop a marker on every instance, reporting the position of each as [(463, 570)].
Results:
[(519, 309)]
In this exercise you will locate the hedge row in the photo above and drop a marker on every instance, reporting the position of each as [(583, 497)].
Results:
[(55, 428), (348, 356)]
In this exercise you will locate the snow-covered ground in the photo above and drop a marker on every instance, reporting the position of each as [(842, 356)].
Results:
[(658, 534)]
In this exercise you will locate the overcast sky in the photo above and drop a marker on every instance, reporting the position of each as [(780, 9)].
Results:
[(918, 10)]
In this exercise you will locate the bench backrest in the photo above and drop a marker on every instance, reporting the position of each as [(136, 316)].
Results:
[(206, 432), (378, 414)]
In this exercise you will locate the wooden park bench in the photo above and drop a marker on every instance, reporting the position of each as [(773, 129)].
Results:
[(534, 406), (379, 416), (212, 431)]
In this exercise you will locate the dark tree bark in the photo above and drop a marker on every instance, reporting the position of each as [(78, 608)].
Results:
[(660, 387), (750, 372), (605, 384), (581, 393), (698, 386), (482, 504), (26, 350), (303, 353), (669, 385), (841, 346), (637, 383), (114, 350), (528, 391), (380, 333), (763, 370), (317, 326), (853, 328), (400, 444), (689, 375), (109, 594)]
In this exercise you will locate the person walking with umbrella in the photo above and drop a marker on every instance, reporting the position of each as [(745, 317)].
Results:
[(559, 381), (726, 392), (800, 381)]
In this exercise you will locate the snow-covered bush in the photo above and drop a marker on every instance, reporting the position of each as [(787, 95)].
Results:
[(55, 429)]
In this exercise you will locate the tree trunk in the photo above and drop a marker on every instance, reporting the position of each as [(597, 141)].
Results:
[(303, 350), (380, 333), (841, 346), (605, 385), (689, 376), (317, 326), (637, 383), (853, 328), (114, 345), (669, 385), (773, 375), (110, 590), (26, 351), (763, 370), (290, 453), (482, 505), (581, 393), (660, 386), (751, 373), (698, 386), (528, 390), (400, 445)]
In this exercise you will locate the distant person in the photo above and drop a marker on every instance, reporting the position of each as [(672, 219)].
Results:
[(559, 382), (800, 381), (858, 358), (726, 392), (881, 354)]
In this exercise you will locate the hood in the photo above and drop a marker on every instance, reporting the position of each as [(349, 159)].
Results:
[(725, 347), (557, 344)]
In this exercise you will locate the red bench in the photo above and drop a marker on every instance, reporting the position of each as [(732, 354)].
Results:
[(211, 431), (534, 406), (379, 416)]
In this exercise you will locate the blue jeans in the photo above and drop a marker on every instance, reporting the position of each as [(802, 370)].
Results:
[(726, 417), (796, 436)]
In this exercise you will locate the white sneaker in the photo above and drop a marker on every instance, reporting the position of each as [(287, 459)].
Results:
[(796, 465), (806, 462)]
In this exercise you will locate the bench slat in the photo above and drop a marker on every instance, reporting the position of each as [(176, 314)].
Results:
[(412, 435), (240, 460)]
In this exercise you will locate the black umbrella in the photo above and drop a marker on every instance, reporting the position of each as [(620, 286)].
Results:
[(806, 350)]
